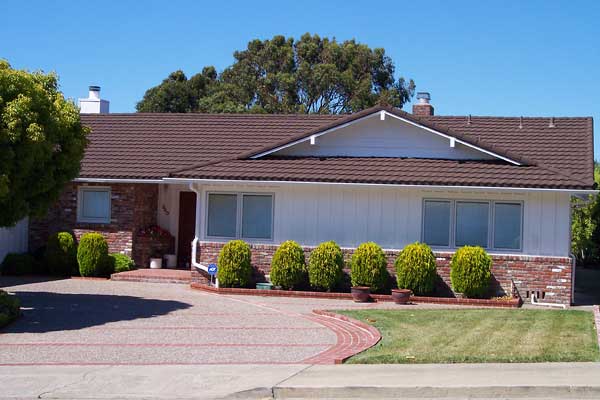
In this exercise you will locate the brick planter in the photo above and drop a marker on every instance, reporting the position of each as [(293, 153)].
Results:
[(548, 277), (504, 303), (146, 246)]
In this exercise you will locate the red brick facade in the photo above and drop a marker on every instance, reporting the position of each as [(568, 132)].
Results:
[(133, 206), (548, 277)]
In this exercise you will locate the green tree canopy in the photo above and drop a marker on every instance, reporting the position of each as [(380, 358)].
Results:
[(281, 75), (585, 225), (41, 143)]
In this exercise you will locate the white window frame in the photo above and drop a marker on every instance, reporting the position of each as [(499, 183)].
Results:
[(88, 220), (238, 220), (491, 218)]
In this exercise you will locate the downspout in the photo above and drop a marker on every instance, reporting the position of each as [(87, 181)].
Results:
[(196, 264)]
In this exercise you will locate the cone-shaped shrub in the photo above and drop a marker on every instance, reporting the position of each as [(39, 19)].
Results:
[(92, 255), (234, 264), (416, 269), (369, 267), (288, 267), (470, 271), (121, 262), (325, 266), (61, 254)]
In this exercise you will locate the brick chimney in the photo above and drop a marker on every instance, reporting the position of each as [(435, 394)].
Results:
[(93, 104), (423, 108)]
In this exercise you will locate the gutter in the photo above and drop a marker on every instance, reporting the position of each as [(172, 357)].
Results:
[(194, 257)]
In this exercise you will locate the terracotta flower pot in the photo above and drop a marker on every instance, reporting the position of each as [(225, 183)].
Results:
[(361, 294), (400, 296)]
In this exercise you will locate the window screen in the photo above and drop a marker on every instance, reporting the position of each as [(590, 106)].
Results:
[(436, 223), (257, 216), (94, 205), (222, 215), (471, 224), (507, 226)]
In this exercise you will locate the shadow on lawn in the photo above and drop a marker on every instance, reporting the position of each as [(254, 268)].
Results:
[(47, 311)]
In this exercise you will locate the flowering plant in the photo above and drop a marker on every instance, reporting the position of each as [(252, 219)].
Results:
[(154, 231)]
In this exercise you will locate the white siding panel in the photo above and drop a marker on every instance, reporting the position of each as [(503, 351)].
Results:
[(311, 214), (14, 239)]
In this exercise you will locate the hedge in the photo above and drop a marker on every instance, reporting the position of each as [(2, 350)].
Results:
[(234, 264), (416, 269), (326, 266), (92, 255), (9, 308), (470, 271), (61, 254), (121, 262), (18, 264), (369, 267), (288, 267)]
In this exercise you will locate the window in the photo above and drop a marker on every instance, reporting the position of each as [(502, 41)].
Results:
[(495, 225), (436, 223), (93, 204), (240, 215), (507, 226), (472, 224)]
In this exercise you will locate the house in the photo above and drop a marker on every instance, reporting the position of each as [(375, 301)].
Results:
[(381, 175)]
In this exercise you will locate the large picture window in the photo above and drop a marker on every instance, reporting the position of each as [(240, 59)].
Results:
[(93, 204), (240, 215), (495, 225)]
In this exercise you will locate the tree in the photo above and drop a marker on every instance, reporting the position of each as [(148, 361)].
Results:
[(41, 143), (281, 75), (585, 225)]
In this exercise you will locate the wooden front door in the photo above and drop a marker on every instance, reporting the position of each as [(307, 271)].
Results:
[(187, 227)]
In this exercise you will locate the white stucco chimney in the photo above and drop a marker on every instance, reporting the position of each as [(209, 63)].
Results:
[(93, 104)]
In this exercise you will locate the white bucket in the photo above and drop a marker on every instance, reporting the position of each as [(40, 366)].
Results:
[(156, 263), (171, 260)]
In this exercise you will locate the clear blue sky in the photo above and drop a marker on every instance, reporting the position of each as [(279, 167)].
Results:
[(531, 58)]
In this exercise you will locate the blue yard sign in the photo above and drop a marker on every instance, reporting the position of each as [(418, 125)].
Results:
[(212, 269)]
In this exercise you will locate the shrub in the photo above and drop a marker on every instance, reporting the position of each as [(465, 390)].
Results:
[(325, 266), (61, 254), (470, 271), (368, 267), (9, 308), (121, 262), (234, 264), (288, 267), (92, 255), (416, 269), (17, 264)]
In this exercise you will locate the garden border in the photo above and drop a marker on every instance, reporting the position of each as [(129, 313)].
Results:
[(508, 303)]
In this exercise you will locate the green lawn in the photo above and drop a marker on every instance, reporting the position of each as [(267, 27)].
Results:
[(482, 335)]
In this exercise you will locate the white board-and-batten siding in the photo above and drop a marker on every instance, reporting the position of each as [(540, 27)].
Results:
[(391, 217), (14, 239)]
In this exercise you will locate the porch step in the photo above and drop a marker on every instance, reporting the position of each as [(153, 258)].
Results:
[(154, 276)]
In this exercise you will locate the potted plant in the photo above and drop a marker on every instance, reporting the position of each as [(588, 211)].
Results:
[(367, 271), (155, 260), (401, 296), (361, 294)]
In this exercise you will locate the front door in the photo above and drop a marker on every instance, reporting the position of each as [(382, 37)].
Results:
[(187, 227)]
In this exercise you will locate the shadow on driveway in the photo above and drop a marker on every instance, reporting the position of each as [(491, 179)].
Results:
[(47, 311)]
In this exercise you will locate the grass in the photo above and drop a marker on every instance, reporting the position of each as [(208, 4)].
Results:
[(482, 335)]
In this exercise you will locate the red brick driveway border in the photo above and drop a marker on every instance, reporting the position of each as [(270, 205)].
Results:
[(597, 320), (353, 337)]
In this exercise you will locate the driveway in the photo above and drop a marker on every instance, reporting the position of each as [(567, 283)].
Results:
[(99, 322)]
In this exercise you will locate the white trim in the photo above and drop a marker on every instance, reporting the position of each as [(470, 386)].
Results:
[(118, 180), (478, 188), (382, 114)]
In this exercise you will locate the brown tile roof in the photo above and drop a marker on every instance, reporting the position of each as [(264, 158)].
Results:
[(218, 146)]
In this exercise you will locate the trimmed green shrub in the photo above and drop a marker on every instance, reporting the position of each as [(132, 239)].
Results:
[(368, 267), (121, 262), (17, 264), (326, 266), (9, 308), (234, 264), (470, 271), (61, 254), (92, 255), (416, 269), (288, 267)]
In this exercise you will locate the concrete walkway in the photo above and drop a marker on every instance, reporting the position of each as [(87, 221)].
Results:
[(453, 381)]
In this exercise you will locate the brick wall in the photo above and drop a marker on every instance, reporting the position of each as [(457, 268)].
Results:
[(550, 277), (133, 206)]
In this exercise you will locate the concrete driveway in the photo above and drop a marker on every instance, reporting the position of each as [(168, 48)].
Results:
[(93, 322)]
